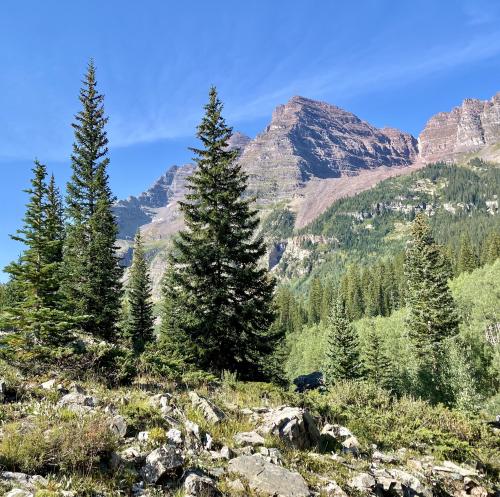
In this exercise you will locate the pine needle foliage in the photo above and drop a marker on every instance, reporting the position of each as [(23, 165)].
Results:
[(217, 297), (92, 283)]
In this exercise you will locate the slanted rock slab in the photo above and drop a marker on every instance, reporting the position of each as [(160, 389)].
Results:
[(267, 478), (161, 462), (196, 485), (249, 438), (209, 410), (295, 426)]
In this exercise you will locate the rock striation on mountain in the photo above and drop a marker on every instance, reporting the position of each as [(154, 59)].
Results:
[(308, 139), (469, 128)]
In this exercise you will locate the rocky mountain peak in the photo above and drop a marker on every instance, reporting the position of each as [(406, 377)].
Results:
[(468, 128), (309, 139)]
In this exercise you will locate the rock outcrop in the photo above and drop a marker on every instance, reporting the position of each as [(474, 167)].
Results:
[(267, 478), (467, 129)]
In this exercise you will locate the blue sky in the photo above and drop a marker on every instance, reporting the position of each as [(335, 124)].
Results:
[(391, 62)]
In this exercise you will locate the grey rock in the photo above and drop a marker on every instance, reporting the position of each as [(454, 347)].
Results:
[(143, 436), (363, 482), (196, 485), (17, 492), (161, 462), (118, 426), (332, 489), (295, 426), (267, 478), (249, 438), (174, 436), (351, 445), (272, 455), (451, 468), (78, 399), (209, 410), (49, 385)]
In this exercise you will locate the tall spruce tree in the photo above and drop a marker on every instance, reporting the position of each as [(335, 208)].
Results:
[(139, 328), (432, 315), (36, 313), (377, 363), (315, 300), (343, 362), (467, 258), (92, 271), (218, 300)]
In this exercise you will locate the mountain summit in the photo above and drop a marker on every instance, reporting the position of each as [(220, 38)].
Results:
[(309, 139)]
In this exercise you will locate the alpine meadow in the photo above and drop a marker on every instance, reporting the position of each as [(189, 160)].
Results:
[(311, 310)]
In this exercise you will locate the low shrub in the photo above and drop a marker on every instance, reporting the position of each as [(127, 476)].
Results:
[(43, 444)]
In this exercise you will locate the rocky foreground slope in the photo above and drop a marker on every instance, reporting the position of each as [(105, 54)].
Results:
[(237, 439)]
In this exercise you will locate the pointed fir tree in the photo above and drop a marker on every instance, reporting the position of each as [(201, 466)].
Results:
[(36, 316), (343, 361), (92, 271), (315, 301), (218, 299), (139, 328), (467, 258), (377, 364), (432, 315), (491, 248)]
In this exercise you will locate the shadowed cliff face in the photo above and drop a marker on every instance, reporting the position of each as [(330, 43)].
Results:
[(471, 128)]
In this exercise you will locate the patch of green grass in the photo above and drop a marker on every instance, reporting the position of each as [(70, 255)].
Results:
[(45, 443)]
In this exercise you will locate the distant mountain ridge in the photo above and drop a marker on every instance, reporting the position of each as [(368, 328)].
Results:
[(310, 155), (306, 141)]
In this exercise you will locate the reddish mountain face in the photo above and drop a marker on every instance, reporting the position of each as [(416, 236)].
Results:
[(473, 127), (307, 140)]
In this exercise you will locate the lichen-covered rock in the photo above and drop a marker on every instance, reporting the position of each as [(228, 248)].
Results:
[(161, 462), (295, 426), (78, 399), (267, 478)]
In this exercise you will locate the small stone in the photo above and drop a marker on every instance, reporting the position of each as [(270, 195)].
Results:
[(362, 482), (226, 453), (119, 426), (160, 462), (196, 485), (48, 385), (174, 436), (249, 438), (143, 436)]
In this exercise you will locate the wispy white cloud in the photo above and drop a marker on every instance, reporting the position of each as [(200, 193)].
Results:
[(370, 75)]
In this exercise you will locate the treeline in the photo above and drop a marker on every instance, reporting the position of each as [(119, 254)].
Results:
[(66, 305)]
